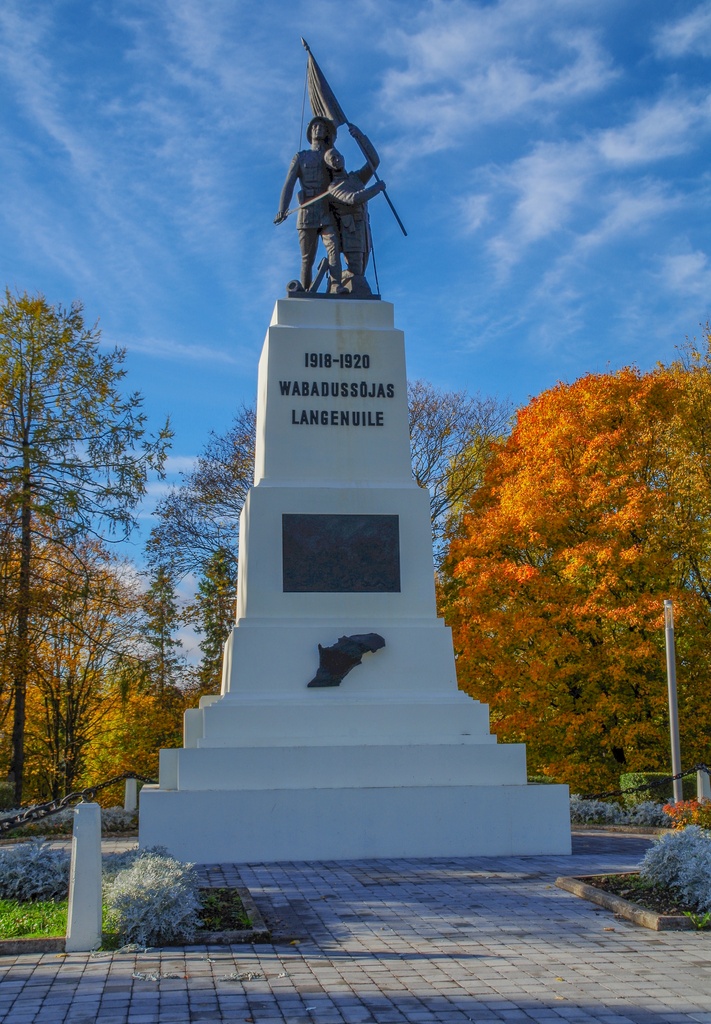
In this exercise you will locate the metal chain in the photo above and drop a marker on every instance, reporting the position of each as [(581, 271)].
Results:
[(40, 811), (650, 785)]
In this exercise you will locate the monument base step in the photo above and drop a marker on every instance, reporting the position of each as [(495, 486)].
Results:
[(331, 720), (343, 767), (344, 824)]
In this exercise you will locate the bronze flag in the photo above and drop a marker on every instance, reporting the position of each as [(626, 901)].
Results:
[(323, 102)]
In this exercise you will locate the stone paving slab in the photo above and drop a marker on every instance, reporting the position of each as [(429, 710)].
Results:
[(392, 942)]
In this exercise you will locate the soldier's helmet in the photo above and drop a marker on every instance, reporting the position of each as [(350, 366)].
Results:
[(331, 130), (333, 159)]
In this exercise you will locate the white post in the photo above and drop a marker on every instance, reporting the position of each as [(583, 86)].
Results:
[(673, 708), (130, 795), (84, 917), (703, 786)]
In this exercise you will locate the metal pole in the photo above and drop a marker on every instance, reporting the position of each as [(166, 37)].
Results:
[(673, 708)]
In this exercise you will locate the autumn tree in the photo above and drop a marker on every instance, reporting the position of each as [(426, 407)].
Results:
[(88, 635), (555, 581), (201, 516), (8, 606), (134, 729), (451, 434), (74, 455), (686, 471)]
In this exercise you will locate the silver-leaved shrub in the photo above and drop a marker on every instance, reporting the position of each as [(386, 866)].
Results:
[(599, 812), (595, 812), (116, 819), (154, 900), (33, 871), (648, 813), (115, 862), (682, 861)]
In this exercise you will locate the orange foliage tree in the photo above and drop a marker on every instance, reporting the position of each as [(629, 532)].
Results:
[(594, 510), (97, 702), (85, 632)]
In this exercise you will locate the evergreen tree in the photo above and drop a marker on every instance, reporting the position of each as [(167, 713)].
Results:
[(161, 619), (213, 614)]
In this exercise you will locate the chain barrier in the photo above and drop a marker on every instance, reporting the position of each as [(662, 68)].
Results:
[(649, 785), (40, 811)]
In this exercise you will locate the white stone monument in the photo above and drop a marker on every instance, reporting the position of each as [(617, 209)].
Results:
[(335, 540)]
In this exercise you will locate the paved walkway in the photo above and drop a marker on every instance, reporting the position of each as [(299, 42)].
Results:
[(455, 940)]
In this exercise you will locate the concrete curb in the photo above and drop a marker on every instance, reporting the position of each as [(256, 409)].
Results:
[(623, 908), (14, 947)]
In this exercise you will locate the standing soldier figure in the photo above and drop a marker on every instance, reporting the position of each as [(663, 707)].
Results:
[(315, 219), (349, 198)]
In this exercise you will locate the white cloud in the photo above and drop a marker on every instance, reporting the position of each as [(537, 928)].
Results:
[(582, 182), (548, 184), (179, 351), (471, 65), (474, 212), (180, 463), (629, 210), (666, 128), (37, 86), (690, 34), (688, 274)]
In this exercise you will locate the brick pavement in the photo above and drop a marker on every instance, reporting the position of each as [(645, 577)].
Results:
[(455, 940)]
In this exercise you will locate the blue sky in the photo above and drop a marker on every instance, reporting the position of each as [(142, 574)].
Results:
[(550, 159)]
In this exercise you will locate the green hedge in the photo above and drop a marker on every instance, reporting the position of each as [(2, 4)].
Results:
[(631, 779)]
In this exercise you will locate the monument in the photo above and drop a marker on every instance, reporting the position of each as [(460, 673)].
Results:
[(340, 731)]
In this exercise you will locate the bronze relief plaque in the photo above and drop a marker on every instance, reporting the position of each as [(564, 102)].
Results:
[(344, 554)]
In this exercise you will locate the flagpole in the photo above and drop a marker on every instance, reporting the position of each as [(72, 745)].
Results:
[(363, 151)]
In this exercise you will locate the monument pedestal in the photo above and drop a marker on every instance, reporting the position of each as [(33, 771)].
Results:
[(335, 540)]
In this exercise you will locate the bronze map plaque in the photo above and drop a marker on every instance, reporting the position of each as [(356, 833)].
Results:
[(344, 554)]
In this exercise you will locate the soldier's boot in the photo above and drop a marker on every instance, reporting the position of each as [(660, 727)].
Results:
[(336, 275)]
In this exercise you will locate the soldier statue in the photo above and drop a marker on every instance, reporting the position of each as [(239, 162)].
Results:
[(315, 218), (349, 198)]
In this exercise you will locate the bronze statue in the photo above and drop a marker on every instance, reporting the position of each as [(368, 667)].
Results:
[(315, 218), (328, 192), (349, 198)]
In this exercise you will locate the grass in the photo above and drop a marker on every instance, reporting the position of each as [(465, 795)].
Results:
[(37, 920), (222, 910)]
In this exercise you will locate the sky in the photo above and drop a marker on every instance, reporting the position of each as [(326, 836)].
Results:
[(549, 159)]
